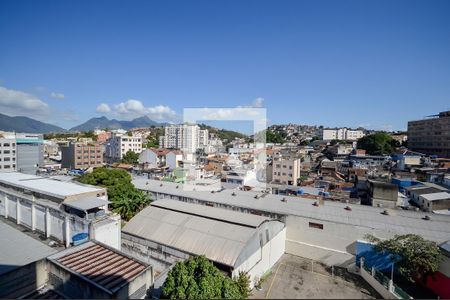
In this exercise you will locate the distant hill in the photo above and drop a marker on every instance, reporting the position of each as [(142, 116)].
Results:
[(223, 134), (103, 122), (25, 124)]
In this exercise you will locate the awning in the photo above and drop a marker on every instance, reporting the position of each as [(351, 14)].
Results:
[(86, 204)]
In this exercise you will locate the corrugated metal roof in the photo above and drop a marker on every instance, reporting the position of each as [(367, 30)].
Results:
[(18, 249), (436, 196), (438, 229), (219, 241), (100, 265), (212, 212), (45, 185), (87, 203)]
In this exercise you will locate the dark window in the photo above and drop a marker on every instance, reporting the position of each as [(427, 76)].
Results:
[(315, 225)]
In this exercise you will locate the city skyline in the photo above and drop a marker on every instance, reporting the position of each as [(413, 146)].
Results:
[(316, 63)]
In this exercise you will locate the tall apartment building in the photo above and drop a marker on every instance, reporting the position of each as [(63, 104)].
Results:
[(82, 155), (344, 134), (187, 138), (7, 153), (120, 143), (30, 152), (286, 169), (23, 152), (431, 136)]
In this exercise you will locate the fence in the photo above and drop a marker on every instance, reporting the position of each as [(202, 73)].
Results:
[(381, 283)]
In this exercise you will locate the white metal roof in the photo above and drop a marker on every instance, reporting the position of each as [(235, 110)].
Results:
[(86, 203), (18, 249), (436, 196), (219, 241), (398, 222), (212, 212), (45, 185)]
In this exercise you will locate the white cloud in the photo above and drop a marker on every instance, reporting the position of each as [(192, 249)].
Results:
[(258, 102), (56, 95), (103, 108), (133, 108), (18, 103)]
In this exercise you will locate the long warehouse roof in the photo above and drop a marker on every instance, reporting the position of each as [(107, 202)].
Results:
[(167, 224), (18, 249), (398, 221), (45, 185)]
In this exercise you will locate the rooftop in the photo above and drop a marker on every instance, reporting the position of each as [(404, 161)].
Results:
[(436, 196), (219, 234), (45, 185), (99, 265), (399, 222), (18, 249)]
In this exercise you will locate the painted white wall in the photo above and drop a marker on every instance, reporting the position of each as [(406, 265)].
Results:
[(172, 159), (148, 157), (107, 232), (334, 244), (264, 258)]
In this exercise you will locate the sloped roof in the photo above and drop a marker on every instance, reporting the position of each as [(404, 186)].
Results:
[(221, 241)]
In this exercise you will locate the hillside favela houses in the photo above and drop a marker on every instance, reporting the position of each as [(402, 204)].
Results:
[(319, 196), (244, 150)]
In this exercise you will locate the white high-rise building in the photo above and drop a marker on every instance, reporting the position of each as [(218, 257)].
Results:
[(120, 143), (7, 154), (187, 138), (344, 134)]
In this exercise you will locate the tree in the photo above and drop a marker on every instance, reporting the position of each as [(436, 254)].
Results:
[(130, 157), (125, 199), (379, 143), (274, 137), (198, 278), (414, 256), (243, 282)]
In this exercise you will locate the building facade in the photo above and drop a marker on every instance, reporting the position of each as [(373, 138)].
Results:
[(187, 138), (57, 209), (120, 143), (286, 170), (344, 134), (7, 154), (431, 136), (82, 155)]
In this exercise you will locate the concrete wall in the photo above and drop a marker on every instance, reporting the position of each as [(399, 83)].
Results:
[(333, 245), (23, 280), (263, 259), (107, 231)]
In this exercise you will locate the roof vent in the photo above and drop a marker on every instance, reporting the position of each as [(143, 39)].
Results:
[(213, 191), (316, 203), (146, 183), (176, 187), (385, 212), (284, 199), (348, 208), (233, 194), (256, 197), (161, 184), (427, 218)]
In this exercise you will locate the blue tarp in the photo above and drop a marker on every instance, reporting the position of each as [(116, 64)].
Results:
[(402, 182), (372, 258)]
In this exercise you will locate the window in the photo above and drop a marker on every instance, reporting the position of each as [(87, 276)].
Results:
[(316, 225)]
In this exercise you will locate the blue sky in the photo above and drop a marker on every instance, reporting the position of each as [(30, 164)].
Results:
[(335, 63)]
